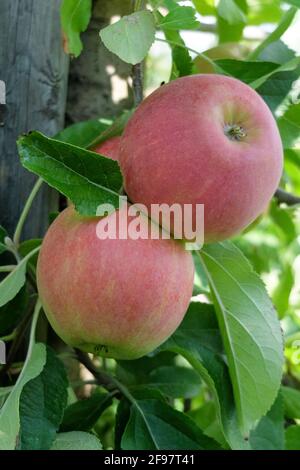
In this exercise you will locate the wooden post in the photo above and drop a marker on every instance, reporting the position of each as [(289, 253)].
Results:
[(34, 69)]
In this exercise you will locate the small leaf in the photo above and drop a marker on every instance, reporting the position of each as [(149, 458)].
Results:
[(281, 294), (245, 71), (205, 7), (269, 433), (83, 415), (75, 16), (276, 88), (116, 128), (42, 403), (284, 24), (277, 52), (83, 133), (291, 400), (231, 12), (292, 438), (9, 415), (289, 126), (88, 179), (154, 425), (250, 330), (175, 382), (14, 282), (131, 37), (137, 371), (179, 18), (12, 312), (76, 440)]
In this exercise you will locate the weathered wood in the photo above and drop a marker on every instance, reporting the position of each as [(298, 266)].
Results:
[(34, 69), (99, 82)]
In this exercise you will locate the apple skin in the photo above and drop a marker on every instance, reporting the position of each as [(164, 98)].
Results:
[(177, 148), (109, 148), (228, 50), (115, 298)]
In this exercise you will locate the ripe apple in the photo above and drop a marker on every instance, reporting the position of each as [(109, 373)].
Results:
[(228, 50), (109, 148), (118, 298), (206, 139)]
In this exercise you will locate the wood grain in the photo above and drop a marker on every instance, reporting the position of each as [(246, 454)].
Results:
[(35, 70)]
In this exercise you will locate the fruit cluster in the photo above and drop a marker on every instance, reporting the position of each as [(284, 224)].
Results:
[(202, 139)]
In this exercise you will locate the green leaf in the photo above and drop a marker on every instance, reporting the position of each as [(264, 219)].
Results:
[(289, 126), (284, 221), (175, 381), (198, 341), (281, 294), (3, 235), (14, 282), (76, 440), (205, 417), (268, 11), (292, 438), (231, 12), (131, 37), (154, 425), (250, 330), (269, 433), (42, 403), (245, 71), (88, 179), (231, 19), (75, 16), (82, 134), (12, 312), (137, 371), (116, 128), (277, 52), (179, 18), (284, 24), (276, 88), (9, 415), (205, 7), (83, 415), (296, 3), (291, 400)]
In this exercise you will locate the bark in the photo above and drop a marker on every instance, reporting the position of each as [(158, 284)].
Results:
[(99, 82), (34, 69)]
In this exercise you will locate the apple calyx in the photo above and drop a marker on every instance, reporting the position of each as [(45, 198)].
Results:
[(235, 132)]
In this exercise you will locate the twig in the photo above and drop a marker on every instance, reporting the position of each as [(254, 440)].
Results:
[(286, 198), (137, 69), (101, 377), (107, 381), (137, 82)]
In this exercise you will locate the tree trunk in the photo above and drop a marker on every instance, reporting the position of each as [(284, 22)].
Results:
[(34, 69), (99, 82)]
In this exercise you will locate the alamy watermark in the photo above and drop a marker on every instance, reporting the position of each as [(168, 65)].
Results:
[(178, 221)]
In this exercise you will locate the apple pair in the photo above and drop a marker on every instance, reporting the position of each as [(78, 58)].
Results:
[(204, 139)]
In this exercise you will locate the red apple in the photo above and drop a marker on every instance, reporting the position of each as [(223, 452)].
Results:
[(118, 298), (206, 139), (109, 148)]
